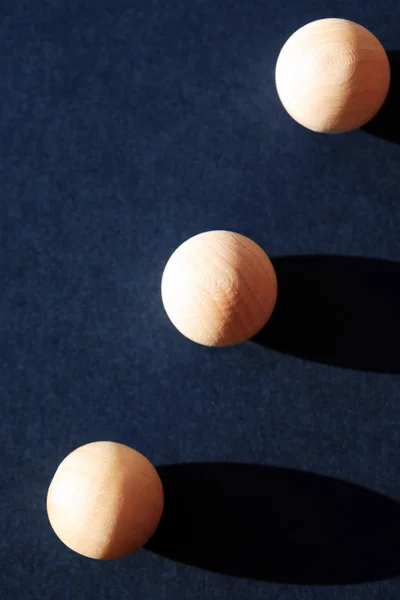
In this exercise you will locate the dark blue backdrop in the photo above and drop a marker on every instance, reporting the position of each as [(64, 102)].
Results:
[(127, 127)]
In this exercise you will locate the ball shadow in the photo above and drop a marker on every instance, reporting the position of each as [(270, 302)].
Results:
[(386, 124), (278, 525), (337, 310)]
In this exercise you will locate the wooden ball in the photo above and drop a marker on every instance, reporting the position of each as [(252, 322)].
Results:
[(332, 76), (105, 500), (219, 288)]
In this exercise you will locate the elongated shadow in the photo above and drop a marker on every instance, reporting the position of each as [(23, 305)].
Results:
[(275, 524), (337, 310), (386, 124)]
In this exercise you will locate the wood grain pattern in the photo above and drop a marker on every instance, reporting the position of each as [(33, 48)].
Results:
[(105, 500), (219, 288), (332, 76)]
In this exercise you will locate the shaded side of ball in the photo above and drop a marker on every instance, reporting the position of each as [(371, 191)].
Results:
[(219, 288), (105, 500), (332, 76)]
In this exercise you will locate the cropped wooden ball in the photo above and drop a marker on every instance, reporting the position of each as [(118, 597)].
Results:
[(105, 500), (332, 76), (219, 288)]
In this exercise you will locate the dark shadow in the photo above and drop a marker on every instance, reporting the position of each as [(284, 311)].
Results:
[(386, 124), (278, 525), (337, 310)]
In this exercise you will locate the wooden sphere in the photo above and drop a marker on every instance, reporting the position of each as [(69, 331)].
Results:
[(219, 288), (332, 76), (105, 500)]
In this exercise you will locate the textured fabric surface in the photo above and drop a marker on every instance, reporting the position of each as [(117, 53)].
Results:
[(128, 126)]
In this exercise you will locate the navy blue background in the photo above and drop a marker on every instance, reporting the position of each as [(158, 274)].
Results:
[(127, 127)]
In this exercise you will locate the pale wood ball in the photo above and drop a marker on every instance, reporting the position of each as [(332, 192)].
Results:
[(332, 76), (219, 288), (105, 500)]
